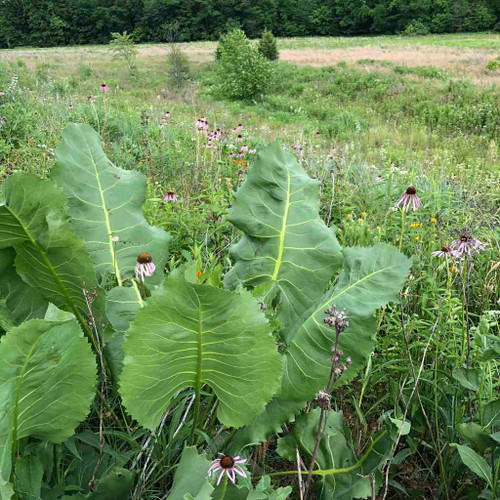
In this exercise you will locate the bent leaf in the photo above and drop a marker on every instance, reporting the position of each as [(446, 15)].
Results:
[(188, 335), (49, 256), (47, 382), (370, 278), (23, 302), (476, 463), (285, 241), (105, 205)]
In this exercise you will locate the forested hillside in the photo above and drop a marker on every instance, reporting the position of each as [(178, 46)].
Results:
[(51, 22)]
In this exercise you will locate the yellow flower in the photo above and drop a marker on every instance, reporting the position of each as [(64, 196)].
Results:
[(454, 269), (360, 221), (228, 180), (368, 230), (433, 220), (349, 215), (363, 214), (416, 224), (417, 238)]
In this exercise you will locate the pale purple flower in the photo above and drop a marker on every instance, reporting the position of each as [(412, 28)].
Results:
[(317, 135), (209, 145), (230, 466), (446, 252), (202, 125), (467, 244), (167, 114), (409, 199), (230, 155), (218, 133), (239, 138), (144, 266), (103, 87), (244, 148), (170, 196), (252, 151), (2, 92), (70, 106), (239, 127)]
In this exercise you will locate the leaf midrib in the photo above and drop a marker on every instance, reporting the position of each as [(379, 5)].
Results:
[(106, 217), (283, 228)]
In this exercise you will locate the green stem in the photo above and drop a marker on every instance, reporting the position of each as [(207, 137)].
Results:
[(401, 236), (331, 472), (138, 293), (197, 386), (224, 488)]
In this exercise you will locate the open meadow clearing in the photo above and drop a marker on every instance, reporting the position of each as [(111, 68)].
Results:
[(298, 291)]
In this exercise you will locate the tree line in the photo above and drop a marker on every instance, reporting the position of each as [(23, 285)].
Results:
[(66, 22)]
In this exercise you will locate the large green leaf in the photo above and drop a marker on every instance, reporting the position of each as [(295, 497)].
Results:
[(370, 278), (23, 301), (105, 205), (47, 383), (285, 241), (188, 335), (476, 463), (191, 476), (49, 257)]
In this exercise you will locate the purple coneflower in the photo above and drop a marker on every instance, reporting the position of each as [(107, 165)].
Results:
[(239, 138), (144, 266), (167, 114), (409, 199), (230, 155), (170, 196), (209, 145), (239, 127), (317, 135), (70, 106), (103, 87), (252, 151), (467, 244), (230, 466), (244, 148), (445, 252), (2, 92)]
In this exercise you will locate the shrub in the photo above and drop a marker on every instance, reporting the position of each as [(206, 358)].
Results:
[(268, 46), (493, 65), (122, 47), (242, 73), (416, 28)]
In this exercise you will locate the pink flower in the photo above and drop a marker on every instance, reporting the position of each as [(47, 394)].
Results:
[(167, 114), (230, 466), (239, 127), (445, 252), (103, 87), (239, 138), (144, 266), (252, 151), (317, 134), (209, 145), (467, 244), (244, 148), (409, 199), (70, 106), (170, 196)]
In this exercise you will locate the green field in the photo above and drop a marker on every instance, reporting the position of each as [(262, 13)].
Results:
[(367, 117)]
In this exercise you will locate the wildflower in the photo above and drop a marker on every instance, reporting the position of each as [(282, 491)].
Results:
[(433, 220), (167, 114), (103, 87), (252, 151), (445, 252), (228, 180), (70, 106), (349, 215), (454, 269), (368, 230), (115, 239), (198, 273), (2, 92), (417, 238), (209, 145), (239, 138), (144, 266), (337, 319), (416, 224), (467, 244), (239, 127), (227, 465), (244, 148), (360, 221), (409, 199), (363, 214), (170, 196), (317, 135), (230, 155)]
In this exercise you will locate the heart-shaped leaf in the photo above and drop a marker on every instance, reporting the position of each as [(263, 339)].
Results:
[(188, 335), (285, 241), (47, 383), (105, 206)]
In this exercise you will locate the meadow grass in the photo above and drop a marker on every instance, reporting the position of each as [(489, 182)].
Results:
[(366, 129)]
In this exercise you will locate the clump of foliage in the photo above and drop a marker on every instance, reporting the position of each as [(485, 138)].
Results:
[(122, 47), (241, 71), (177, 66), (416, 28), (268, 47), (493, 65)]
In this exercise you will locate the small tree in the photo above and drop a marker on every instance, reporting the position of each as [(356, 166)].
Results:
[(242, 73), (268, 46), (122, 47), (178, 66)]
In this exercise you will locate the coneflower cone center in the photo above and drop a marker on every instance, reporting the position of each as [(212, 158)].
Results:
[(226, 462), (411, 190), (144, 258)]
